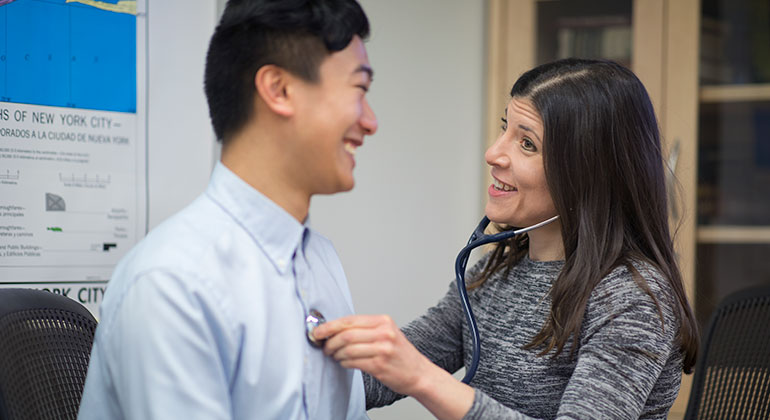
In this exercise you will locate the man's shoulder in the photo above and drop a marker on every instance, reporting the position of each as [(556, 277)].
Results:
[(182, 246), (183, 236), (201, 242)]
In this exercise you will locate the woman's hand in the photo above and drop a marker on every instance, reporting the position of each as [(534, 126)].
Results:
[(374, 344)]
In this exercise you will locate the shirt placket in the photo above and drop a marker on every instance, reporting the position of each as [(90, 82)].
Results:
[(302, 278)]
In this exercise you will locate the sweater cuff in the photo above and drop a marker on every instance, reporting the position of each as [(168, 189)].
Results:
[(477, 410)]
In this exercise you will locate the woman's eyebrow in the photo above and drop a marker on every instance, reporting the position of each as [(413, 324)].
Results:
[(525, 128)]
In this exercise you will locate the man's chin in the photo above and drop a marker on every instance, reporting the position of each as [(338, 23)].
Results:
[(347, 186), (343, 186)]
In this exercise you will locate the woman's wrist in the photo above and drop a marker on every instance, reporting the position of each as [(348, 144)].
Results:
[(427, 378), (442, 394)]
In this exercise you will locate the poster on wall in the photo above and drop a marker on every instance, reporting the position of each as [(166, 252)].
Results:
[(73, 160)]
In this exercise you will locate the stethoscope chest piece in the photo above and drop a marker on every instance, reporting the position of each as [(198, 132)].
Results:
[(313, 320)]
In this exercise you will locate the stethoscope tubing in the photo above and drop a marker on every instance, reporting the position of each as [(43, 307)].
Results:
[(476, 240)]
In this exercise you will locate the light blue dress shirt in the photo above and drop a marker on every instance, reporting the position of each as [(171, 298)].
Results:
[(205, 318)]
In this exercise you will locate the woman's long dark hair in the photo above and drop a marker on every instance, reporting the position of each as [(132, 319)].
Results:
[(604, 168)]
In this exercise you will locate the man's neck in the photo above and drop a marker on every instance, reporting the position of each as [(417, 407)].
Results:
[(258, 161)]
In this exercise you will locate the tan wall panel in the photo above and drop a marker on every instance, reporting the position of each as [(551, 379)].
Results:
[(648, 38), (680, 115), (510, 52)]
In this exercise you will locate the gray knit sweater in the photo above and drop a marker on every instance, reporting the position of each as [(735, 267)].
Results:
[(626, 365)]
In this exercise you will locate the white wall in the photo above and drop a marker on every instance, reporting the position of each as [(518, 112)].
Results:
[(416, 198), (180, 139), (417, 180)]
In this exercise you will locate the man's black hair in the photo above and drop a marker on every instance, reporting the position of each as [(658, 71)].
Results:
[(295, 35)]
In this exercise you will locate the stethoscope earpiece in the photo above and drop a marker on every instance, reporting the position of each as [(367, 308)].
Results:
[(313, 320)]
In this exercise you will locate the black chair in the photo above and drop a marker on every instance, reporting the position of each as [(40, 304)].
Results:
[(45, 345), (732, 375)]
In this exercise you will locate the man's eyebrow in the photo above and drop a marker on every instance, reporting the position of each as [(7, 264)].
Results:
[(525, 128), (363, 68)]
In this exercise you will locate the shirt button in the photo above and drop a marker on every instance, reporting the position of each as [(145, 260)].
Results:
[(306, 360)]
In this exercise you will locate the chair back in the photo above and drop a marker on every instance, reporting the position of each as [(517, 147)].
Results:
[(45, 345), (732, 375)]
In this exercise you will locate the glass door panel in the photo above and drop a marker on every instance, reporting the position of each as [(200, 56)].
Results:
[(734, 164), (585, 29), (735, 42), (733, 233)]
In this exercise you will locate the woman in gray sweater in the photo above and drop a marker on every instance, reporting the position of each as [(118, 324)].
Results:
[(585, 317)]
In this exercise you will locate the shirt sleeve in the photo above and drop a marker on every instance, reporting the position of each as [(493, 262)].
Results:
[(623, 350), (170, 354)]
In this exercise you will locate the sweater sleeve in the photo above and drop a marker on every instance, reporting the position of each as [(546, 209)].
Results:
[(623, 349), (437, 334)]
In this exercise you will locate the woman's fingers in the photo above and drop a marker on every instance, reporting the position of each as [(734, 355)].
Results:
[(362, 351), (374, 344), (334, 327), (374, 329), (351, 337)]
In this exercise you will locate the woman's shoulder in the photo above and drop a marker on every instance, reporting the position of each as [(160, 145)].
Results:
[(636, 287), (621, 314), (632, 281)]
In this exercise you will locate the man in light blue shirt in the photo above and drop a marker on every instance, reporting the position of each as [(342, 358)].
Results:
[(205, 318)]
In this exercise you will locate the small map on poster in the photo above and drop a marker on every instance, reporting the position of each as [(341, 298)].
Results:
[(72, 142), (79, 54)]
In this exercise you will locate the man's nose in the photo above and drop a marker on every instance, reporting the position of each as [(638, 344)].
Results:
[(368, 120)]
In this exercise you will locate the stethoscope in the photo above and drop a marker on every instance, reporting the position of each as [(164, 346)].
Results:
[(314, 318), (477, 239)]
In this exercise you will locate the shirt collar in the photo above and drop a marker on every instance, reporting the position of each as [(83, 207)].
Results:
[(271, 227)]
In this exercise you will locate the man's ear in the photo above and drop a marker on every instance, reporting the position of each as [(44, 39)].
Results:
[(272, 83)]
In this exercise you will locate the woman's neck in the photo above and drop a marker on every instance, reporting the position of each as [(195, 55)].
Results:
[(545, 243)]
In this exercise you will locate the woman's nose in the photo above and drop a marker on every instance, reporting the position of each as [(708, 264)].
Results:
[(495, 156)]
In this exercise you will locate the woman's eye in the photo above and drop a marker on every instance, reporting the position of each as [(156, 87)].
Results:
[(528, 145), (505, 123)]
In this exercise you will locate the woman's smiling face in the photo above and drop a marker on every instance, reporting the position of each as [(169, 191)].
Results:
[(519, 195)]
